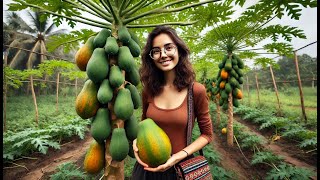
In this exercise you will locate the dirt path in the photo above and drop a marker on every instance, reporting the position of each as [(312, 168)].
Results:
[(288, 152), (72, 150)]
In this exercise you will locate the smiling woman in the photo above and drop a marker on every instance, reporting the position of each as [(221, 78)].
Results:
[(167, 76)]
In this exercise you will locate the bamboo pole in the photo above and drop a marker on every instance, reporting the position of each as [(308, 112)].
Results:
[(57, 92), (258, 92), (248, 90), (34, 100), (275, 88), (300, 87)]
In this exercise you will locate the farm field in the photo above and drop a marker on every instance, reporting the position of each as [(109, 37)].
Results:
[(226, 162)]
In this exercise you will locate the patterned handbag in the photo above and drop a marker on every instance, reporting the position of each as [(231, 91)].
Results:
[(194, 167)]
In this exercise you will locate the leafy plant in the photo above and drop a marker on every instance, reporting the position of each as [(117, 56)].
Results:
[(265, 157), (251, 141), (68, 171), (309, 143), (286, 171), (276, 122)]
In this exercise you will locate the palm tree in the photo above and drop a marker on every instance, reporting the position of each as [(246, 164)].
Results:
[(32, 37)]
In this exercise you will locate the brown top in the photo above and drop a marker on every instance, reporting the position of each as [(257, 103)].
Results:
[(174, 121)]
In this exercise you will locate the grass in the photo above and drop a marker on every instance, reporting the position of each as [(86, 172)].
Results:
[(290, 102)]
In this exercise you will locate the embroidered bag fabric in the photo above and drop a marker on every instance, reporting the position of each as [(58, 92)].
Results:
[(194, 167)]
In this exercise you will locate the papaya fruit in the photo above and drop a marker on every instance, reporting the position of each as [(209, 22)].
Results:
[(119, 145), (87, 103), (222, 84), (224, 74), (134, 48), (153, 143), (228, 88), (234, 61), (116, 78), (105, 92), (240, 80), (225, 106), (134, 37), (101, 125), (124, 35), (131, 127), (111, 46), (224, 95), (228, 65), (237, 93), (94, 160), (136, 98), (84, 53), (98, 66), (235, 102), (123, 105), (100, 40), (125, 59), (133, 76)]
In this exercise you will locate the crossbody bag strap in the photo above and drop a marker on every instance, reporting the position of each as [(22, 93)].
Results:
[(190, 103)]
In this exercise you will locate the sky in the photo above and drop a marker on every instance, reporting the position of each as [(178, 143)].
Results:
[(307, 22)]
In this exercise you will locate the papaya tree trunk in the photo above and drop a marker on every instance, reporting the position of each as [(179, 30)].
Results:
[(5, 90), (57, 92), (300, 88), (230, 121), (113, 169), (275, 89), (34, 100), (218, 112)]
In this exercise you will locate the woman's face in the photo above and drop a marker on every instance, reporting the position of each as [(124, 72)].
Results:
[(164, 52)]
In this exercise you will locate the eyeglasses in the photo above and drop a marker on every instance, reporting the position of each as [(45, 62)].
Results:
[(169, 50)]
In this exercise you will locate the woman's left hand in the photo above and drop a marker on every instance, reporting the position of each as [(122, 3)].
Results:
[(174, 159)]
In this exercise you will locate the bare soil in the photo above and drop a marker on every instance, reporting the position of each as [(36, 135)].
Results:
[(73, 149)]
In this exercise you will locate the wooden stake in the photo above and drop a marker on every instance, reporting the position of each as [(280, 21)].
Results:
[(34, 100), (248, 90), (275, 89), (258, 92), (57, 94), (300, 88)]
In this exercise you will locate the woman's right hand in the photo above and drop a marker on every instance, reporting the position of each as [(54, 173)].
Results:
[(135, 150)]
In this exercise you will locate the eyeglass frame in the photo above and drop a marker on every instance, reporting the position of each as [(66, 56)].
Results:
[(174, 46)]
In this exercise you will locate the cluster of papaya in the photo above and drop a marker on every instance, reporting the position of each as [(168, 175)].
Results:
[(210, 84), (109, 94), (229, 78)]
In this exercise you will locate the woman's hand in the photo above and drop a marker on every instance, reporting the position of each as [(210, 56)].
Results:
[(135, 150), (174, 159)]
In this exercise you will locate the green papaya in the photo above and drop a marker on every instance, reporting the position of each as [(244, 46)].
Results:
[(124, 35), (228, 65), (87, 103), (233, 82), (98, 66), (221, 65), (134, 48), (235, 102), (100, 39), (241, 80), (235, 67), (131, 127), (111, 46), (239, 72), (116, 78), (221, 101), (119, 145), (84, 53), (105, 92), (233, 73), (234, 61), (123, 106), (133, 76), (136, 98), (224, 95), (101, 125), (228, 88), (225, 106), (134, 37), (125, 59)]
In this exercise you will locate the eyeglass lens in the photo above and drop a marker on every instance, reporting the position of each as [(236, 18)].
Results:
[(169, 50)]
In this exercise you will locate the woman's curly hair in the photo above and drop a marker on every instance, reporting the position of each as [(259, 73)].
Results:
[(152, 78)]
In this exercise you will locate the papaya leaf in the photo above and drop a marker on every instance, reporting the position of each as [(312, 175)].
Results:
[(73, 39)]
